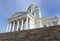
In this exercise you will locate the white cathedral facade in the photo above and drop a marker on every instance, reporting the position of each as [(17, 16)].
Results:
[(30, 19)]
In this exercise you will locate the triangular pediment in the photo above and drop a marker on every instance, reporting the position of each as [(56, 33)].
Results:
[(18, 14)]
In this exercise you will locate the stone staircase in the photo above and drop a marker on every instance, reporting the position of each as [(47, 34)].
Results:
[(51, 33)]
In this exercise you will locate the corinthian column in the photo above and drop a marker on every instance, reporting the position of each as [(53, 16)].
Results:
[(18, 25), (13, 26), (10, 25), (7, 28), (29, 23), (26, 23), (21, 24)]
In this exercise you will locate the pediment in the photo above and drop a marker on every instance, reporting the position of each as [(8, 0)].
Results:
[(18, 14)]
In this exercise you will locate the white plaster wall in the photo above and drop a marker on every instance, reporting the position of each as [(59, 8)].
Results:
[(38, 23), (31, 22), (32, 26), (49, 21)]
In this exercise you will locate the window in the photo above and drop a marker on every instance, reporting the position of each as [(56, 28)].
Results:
[(34, 13)]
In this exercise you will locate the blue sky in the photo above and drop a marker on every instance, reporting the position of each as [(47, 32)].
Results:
[(9, 7)]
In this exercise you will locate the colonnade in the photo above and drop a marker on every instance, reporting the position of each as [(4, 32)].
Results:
[(20, 24)]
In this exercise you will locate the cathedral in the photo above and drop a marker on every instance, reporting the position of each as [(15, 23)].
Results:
[(30, 19)]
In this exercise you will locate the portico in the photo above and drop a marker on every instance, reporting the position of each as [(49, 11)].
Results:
[(20, 24)]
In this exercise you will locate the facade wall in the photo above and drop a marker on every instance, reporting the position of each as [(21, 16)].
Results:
[(50, 21), (32, 26), (38, 23), (31, 22)]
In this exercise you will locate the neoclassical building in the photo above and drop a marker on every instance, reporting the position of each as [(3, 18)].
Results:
[(30, 19)]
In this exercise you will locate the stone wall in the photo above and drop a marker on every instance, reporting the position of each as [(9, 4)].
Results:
[(51, 33)]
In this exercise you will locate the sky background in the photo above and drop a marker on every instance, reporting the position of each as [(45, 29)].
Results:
[(9, 7)]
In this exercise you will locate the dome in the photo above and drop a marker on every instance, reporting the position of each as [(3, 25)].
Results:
[(34, 10)]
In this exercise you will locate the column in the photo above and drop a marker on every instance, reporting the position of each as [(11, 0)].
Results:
[(26, 28), (7, 28), (21, 24), (13, 26), (10, 25), (18, 25), (29, 23)]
